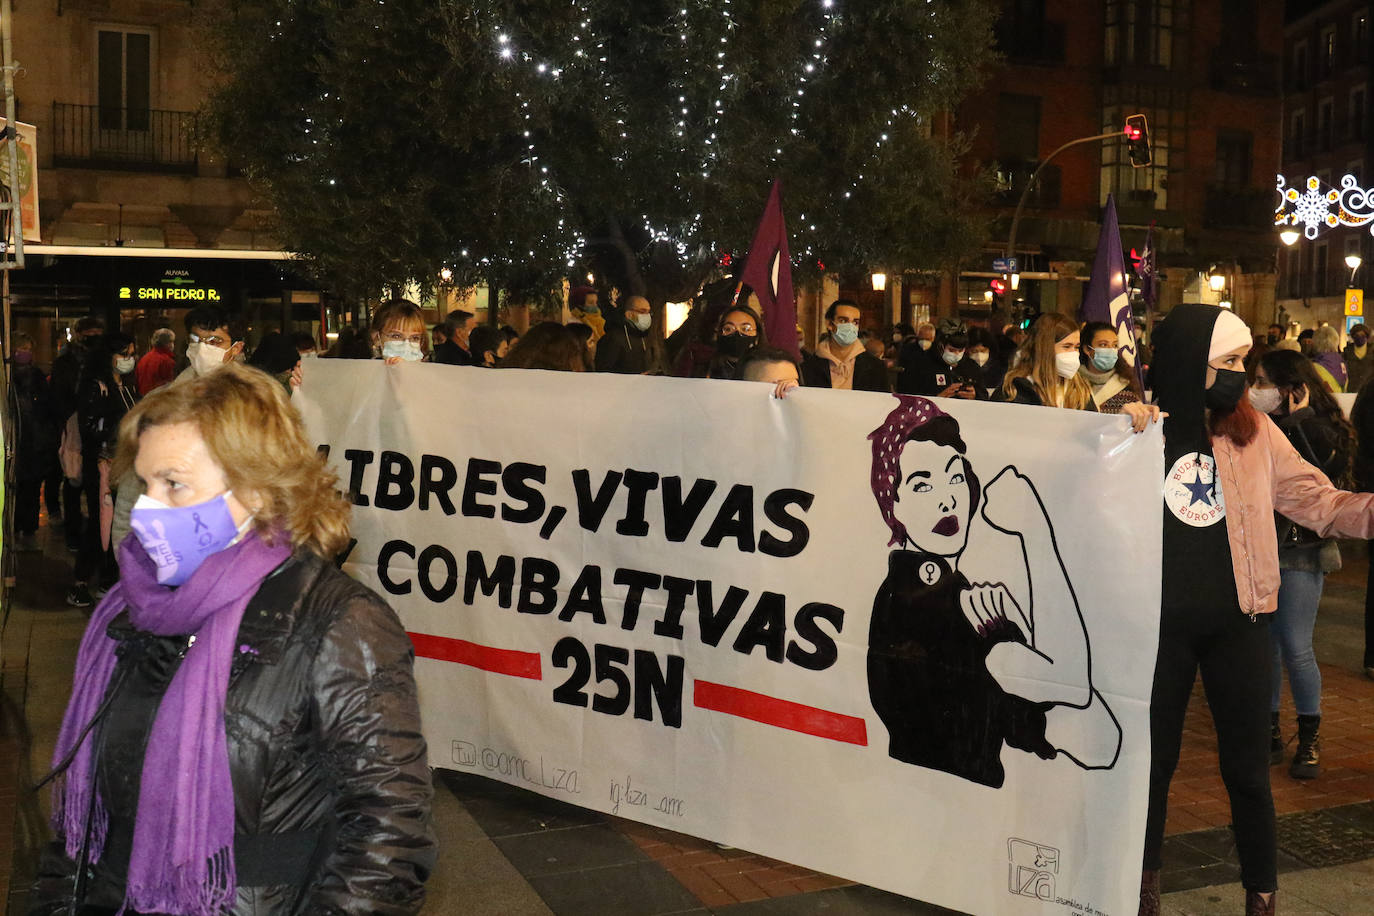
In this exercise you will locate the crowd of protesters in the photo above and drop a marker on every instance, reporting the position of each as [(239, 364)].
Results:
[(1214, 381)]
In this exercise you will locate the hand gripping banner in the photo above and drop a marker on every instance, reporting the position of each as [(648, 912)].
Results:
[(908, 642)]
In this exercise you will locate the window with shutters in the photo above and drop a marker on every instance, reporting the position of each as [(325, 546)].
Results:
[(125, 68)]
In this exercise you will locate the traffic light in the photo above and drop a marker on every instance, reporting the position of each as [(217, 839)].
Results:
[(1138, 140), (998, 286)]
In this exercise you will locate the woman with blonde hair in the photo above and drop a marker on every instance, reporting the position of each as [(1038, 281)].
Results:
[(1046, 367), (243, 733), (399, 332), (1326, 357)]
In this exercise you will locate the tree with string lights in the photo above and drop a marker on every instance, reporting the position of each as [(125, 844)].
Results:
[(516, 143)]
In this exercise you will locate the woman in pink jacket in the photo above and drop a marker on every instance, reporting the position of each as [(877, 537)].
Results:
[(1227, 470)]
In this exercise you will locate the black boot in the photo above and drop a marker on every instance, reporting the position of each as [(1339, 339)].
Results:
[(1307, 760), (1275, 741)]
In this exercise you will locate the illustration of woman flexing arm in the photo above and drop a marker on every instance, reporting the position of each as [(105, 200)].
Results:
[(956, 669)]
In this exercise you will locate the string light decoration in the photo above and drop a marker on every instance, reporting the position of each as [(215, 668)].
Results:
[(1317, 209), (510, 142)]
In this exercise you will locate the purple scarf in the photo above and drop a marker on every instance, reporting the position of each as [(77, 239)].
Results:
[(182, 859)]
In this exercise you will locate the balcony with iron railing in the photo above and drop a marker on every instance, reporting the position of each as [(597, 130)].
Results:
[(128, 139)]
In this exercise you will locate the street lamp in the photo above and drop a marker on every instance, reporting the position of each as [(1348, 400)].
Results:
[(1217, 281), (1289, 236), (879, 281), (1353, 261)]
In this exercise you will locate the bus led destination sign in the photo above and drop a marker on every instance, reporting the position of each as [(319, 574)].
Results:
[(175, 285), (163, 293)]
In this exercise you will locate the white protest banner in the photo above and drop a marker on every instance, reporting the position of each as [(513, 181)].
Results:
[(903, 641)]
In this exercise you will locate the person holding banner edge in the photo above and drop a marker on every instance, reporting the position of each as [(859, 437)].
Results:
[(1228, 470)]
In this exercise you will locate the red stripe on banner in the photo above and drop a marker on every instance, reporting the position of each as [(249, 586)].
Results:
[(462, 652), (783, 713)]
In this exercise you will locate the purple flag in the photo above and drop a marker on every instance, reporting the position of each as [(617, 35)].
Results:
[(1145, 269), (1108, 297), (768, 272)]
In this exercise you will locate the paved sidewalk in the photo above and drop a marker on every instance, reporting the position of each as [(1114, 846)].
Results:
[(510, 852)]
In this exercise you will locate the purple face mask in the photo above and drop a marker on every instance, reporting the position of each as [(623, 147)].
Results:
[(179, 538)]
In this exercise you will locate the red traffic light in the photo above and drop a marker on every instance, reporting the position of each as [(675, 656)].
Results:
[(1137, 134), (998, 286)]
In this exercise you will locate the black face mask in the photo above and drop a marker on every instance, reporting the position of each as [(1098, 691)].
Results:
[(1227, 390), (1273, 339), (733, 346)]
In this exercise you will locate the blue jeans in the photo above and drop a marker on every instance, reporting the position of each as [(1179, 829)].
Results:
[(1290, 634)]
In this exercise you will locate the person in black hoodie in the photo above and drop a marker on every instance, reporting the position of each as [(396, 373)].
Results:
[(1228, 470)]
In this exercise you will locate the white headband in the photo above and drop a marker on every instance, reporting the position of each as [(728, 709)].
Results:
[(1229, 333)]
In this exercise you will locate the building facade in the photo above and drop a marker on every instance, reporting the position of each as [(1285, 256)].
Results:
[(1205, 73), (139, 220), (1326, 136)]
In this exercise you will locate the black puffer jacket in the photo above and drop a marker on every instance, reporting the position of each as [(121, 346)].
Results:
[(331, 786)]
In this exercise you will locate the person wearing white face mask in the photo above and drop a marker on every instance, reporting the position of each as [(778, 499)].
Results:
[(210, 342), (1047, 371), (982, 350), (946, 371), (627, 349), (841, 360), (1113, 382), (398, 332)]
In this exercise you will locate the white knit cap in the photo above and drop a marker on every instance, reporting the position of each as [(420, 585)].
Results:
[(1229, 333)]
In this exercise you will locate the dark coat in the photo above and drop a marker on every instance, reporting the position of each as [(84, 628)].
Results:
[(35, 429), (1362, 418), (100, 405), (1358, 370), (1324, 445), (870, 373), (926, 374), (450, 354), (331, 784), (64, 381), (625, 350)]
